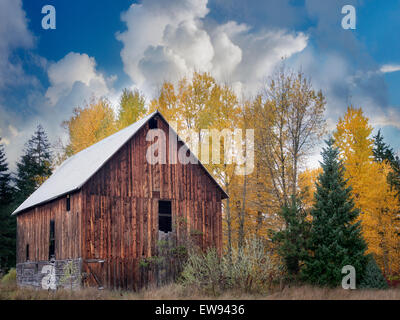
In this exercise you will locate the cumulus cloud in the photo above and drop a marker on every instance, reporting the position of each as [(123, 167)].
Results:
[(75, 73), (10, 135), (13, 34), (166, 40)]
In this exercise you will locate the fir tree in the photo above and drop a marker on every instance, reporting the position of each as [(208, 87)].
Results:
[(34, 166), (373, 277), (335, 239), (292, 240), (383, 152), (5, 179), (7, 223)]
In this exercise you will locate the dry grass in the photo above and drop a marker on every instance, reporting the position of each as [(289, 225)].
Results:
[(177, 292), (315, 293)]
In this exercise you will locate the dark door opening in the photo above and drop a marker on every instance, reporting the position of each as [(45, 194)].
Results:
[(164, 216), (52, 242), (68, 203)]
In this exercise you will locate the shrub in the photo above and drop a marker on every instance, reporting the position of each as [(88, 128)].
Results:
[(71, 275), (10, 278), (203, 271), (373, 277), (249, 269)]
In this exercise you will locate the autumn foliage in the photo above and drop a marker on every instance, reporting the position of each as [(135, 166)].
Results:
[(287, 117)]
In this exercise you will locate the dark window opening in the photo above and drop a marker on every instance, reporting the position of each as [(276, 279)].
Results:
[(153, 123), (52, 240), (164, 216), (27, 252), (68, 203)]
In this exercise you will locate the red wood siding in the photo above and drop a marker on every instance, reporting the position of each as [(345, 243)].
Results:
[(114, 217), (33, 228), (120, 220)]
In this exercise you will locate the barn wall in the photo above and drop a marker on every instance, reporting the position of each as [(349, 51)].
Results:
[(33, 228), (120, 220)]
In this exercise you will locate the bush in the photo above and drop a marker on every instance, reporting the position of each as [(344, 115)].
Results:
[(10, 278), (203, 271), (373, 277), (250, 270)]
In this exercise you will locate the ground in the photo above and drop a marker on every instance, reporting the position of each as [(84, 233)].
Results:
[(9, 291)]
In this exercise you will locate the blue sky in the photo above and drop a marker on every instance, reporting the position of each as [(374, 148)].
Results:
[(100, 47)]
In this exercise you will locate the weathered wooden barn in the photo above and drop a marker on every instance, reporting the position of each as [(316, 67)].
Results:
[(102, 211)]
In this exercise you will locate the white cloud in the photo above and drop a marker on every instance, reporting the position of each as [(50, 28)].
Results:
[(387, 68), (76, 74), (13, 34), (190, 42), (261, 53), (385, 117), (166, 40)]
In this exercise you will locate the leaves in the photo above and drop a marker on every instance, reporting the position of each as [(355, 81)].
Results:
[(372, 193), (132, 108), (89, 125)]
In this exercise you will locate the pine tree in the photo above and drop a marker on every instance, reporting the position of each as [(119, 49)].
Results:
[(373, 277), (383, 152), (335, 239), (7, 223), (34, 166), (5, 179), (292, 240)]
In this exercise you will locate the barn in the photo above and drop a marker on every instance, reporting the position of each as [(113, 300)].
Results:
[(102, 213)]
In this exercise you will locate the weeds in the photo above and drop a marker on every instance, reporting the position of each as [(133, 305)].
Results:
[(249, 270)]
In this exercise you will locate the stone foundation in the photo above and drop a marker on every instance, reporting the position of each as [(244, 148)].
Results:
[(50, 275)]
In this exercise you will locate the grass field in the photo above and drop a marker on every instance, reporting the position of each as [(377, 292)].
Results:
[(9, 291)]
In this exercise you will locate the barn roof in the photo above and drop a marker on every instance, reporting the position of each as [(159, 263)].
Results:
[(74, 172)]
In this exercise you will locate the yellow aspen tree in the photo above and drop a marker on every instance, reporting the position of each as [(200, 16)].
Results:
[(89, 125), (197, 104), (372, 193), (307, 180), (131, 108)]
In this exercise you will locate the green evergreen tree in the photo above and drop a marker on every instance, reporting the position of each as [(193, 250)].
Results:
[(383, 152), (132, 107), (335, 239), (373, 277), (293, 239), (7, 222), (34, 166)]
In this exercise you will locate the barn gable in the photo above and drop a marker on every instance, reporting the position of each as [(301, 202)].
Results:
[(74, 172)]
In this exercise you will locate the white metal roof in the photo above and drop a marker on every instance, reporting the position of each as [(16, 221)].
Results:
[(74, 172)]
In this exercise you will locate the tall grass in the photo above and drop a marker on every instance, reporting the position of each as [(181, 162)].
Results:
[(248, 270)]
